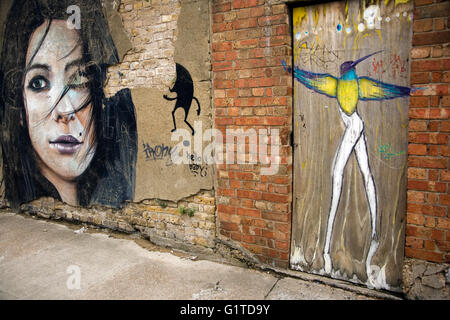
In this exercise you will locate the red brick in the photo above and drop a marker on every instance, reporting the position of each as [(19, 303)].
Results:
[(432, 198), (445, 151), (427, 186), (222, 46), (257, 12), (221, 27), (419, 232), (239, 4), (282, 245), (427, 162), (445, 175), (424, 255), (417, 125), (249, 194), (229, 226), (443, 223), (248, 212), (417, 173), (415, 196), (236, 236), (432, 11), (431, 138), (221, 7), (417, 149), (421, 113), (430, 222), (437, 211), (226, 192), (275, 197), (275, 216), (419, 77), (443, 245), (273, 20), (414, 243), (426, 65), (226, 209), (419, 3), (423, 25), (436, 76), (420, 52)]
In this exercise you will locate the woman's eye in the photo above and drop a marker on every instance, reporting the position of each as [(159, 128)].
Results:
[(78, 80), (38, 83)]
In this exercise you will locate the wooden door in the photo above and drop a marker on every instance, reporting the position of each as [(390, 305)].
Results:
[(351, 89)]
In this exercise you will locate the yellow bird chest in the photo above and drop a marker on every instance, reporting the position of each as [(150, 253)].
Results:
[(347, 95)]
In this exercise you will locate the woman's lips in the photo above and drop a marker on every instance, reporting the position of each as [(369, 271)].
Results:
[(66, 144)]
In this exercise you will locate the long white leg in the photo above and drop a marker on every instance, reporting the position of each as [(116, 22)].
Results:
[(369, 184), (352, 133)]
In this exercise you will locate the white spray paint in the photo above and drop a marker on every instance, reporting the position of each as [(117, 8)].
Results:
[(298, 257), (371, 16)]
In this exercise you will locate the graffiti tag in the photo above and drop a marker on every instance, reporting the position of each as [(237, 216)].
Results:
[(386, 151), (158, 152), (195, 167), (317, 54), (395, 66)]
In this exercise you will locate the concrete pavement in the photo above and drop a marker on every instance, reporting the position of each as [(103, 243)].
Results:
[(41, 259)]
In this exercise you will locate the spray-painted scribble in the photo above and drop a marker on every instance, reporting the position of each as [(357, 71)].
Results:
[(349, 89), (195, 166), (395, 67), (317, 54), (386, 152), (157, 152), (184, 88)]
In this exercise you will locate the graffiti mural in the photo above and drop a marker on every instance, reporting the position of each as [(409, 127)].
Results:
[(348, 89), (60, 136), (349, 192)]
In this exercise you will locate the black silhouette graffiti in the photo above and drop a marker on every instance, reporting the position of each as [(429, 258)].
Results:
[(184, 88)]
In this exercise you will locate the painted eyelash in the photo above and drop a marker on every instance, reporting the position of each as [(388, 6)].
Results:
[(83, 85)]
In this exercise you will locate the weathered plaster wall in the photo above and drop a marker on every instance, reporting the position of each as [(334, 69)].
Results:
[(162, 34)]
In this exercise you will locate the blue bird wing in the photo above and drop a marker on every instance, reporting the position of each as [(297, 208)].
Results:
[(370, 89), (323, 83)]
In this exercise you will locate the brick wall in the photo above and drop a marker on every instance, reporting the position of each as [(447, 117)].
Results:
[(252, 91), (428, 223)]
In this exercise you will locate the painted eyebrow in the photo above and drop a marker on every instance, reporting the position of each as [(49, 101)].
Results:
[(39, 66), (75, 63)]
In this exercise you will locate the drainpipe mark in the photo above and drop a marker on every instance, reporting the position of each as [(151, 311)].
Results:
[(265, 297)]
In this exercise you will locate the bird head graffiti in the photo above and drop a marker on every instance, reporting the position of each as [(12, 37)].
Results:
[(348, 66)]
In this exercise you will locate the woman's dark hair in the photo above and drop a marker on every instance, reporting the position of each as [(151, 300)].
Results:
[(23, 180)]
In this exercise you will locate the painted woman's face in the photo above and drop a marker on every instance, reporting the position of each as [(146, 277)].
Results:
[(57, 102)]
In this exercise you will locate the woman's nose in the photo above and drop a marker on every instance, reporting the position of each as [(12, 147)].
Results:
[(64, 110)]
